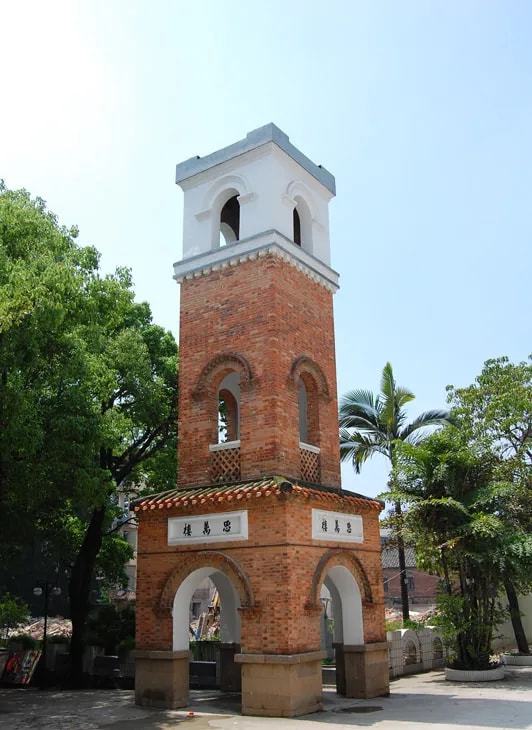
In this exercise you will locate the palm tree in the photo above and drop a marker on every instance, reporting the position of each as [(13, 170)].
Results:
[(373, 424)]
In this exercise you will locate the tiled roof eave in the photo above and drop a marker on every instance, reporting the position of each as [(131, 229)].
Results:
[(244, 491)]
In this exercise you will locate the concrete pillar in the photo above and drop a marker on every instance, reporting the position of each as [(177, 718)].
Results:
[(362, 670), (230, 671), (281, 685), (161, 678)]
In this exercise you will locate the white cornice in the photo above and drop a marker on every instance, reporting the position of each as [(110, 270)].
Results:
[(270, 242)]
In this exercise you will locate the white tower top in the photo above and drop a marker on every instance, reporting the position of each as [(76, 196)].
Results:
[(257, 194)]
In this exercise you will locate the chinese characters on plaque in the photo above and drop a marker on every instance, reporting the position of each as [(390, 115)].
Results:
[(208, 528), (336, 526)]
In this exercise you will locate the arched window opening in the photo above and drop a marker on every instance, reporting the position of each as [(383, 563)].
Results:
[(230, 221), (303, 412), (307, 392), (229, 408), (297, 228)]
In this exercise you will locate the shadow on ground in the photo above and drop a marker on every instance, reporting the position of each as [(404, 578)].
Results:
[(417, 701)]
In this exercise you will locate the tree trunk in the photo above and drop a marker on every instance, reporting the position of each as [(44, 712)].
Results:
[(402, 563), (79, 590), (515, 615)]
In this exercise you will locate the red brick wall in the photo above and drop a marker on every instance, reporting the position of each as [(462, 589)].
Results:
[(279, 559), (425, 586), (270, 313)]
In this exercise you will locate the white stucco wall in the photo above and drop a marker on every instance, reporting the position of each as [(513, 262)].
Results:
[(506, 640), (268, 182)]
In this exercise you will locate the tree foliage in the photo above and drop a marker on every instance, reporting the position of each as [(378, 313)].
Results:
[(456, 518), (375, 424), (88, 393), (13, 612), (496, 412)]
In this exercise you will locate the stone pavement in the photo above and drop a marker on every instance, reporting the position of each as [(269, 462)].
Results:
[(418, 702)]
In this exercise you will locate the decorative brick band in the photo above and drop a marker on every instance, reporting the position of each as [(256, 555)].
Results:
[(230, 361), (206, 558), (305, 364), (348, 560)]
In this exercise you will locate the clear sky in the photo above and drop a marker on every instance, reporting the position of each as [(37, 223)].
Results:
[(422, 111)]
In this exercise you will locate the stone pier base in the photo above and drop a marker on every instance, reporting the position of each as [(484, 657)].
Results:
[(281, 685), (161, 678), (230, 671), (362, 671)]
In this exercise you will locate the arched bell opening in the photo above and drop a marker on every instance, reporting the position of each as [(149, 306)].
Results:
[(230, 221), (297, 227), (214, 639), (302, 224)]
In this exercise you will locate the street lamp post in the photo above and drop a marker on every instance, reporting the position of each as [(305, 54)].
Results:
[(46, 588)]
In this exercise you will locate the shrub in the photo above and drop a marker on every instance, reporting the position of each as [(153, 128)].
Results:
[(13, 612), (109, 626), (25, 641)]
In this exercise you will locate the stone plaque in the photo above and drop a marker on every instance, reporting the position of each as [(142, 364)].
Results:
[(217, 527), (336, 526)]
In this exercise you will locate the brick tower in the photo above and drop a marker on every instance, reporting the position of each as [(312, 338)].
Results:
[(259, 508)]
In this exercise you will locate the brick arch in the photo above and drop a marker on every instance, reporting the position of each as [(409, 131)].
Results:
[(217, 368), (205, 559), (305, 365), (331, 559)]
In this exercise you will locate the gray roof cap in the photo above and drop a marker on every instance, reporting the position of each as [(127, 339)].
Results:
[(254, 139)]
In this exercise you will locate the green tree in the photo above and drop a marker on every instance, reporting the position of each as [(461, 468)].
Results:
[(450, 486), (374, 424), (44, 416), (131, 379), (88, 394), (13, 612), (496, 412)]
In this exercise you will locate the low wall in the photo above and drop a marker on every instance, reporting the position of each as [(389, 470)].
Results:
[(415, 651), (505, 638)]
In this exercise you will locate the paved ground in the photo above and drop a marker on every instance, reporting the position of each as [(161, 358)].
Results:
[(417, 702)]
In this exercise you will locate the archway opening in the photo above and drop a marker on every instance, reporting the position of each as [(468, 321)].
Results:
[(206, 622), (230, 221), (341, 624)]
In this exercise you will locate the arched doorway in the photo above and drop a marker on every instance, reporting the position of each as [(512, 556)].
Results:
[(349, 601), (227, 672), (344, 605)]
